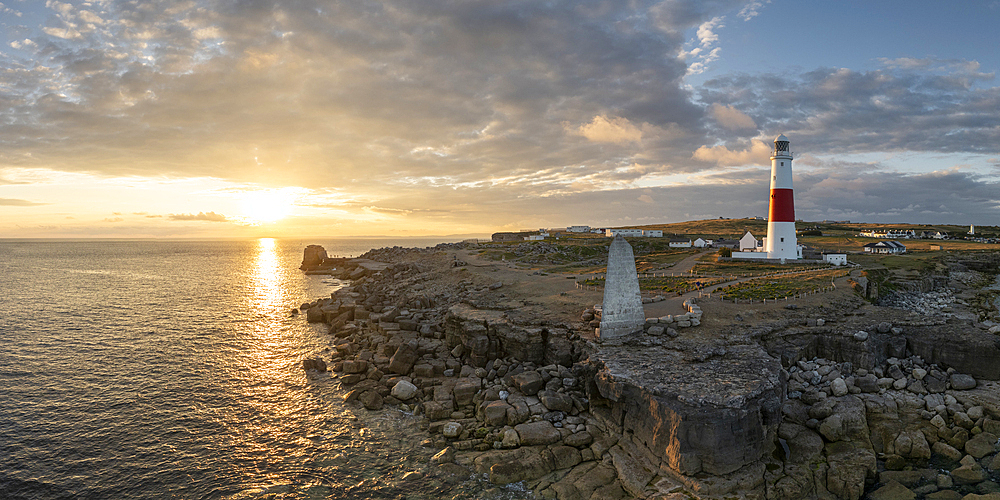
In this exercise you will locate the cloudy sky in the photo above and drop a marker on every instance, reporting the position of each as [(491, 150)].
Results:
[(239, 118)]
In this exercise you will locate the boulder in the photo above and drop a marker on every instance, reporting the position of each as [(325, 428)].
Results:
[(404, 358), (354, 366), (445, 456), (947, 451), (892, 491), (961, 381), (511, 439), (981, 444), (529, 382), (371, 399), (438, 410), (565, 457), (314, 364), (465, 390), (556, 401), (839, 387), (451, 430), (495, 413), (580, 439), (403, 390), (535, 433), (968, 474)]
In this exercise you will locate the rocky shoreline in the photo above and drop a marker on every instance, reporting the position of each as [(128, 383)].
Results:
[(818, 401)]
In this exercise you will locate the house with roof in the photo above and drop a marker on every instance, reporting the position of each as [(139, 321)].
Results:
[(679, 243), (749, 243), (885, 247)]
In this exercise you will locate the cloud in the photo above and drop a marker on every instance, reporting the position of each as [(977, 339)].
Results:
[(831, 110), (113, 219), (202, 216), (14, 202), (731, 118), (757, 153), (752, 9), (274, 95), (617, 130)]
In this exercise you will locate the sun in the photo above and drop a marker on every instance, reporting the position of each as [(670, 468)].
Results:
[(267, 206)]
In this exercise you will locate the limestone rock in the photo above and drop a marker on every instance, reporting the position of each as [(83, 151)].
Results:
[(892, 491), (981, 444), (451, 430), (404, 358), (529, 382), (541, 432), (511, 439), (371, 399), (495, 413), (445, 456), (946, 450), (969, 474), (403, 390), (314, 364), (961, 381)]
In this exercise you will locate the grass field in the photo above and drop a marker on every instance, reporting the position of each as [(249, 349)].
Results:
[(782, 286)]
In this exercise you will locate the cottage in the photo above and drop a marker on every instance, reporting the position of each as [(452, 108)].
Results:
[(679, 243), (723, 243), (701, 243), (885, 247), (652, 233), (748, 243)]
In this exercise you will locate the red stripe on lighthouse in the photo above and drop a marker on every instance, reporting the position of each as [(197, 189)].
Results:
[(782, 207)]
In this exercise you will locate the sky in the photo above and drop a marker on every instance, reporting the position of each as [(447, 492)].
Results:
[(236, 118)]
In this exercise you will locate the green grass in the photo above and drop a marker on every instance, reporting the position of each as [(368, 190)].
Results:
[(782, 286)]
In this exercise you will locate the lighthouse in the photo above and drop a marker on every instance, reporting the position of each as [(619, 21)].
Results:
[(781, 242)]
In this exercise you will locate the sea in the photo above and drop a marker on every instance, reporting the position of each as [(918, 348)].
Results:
[(158, 369)]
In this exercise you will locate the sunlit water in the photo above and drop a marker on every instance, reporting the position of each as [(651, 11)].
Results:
[(156, 369)]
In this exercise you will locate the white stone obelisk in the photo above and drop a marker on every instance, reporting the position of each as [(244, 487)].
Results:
[(781, 243), (622, 312)]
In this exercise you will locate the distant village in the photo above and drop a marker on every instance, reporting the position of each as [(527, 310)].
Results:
[(888, 239)]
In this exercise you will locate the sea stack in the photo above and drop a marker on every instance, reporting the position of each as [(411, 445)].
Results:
[(781, 243), (313, 256), (622, 312)]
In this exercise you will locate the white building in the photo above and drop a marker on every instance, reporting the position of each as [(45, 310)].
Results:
[(902, 234), (701, 243), (578, 229), (652, 233), (837, 259), (972, 229), (885, 247), (626, 233), (534, 237), (679, 243), (748, 243)]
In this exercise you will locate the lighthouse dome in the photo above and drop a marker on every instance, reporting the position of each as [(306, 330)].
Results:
[(781, 138)]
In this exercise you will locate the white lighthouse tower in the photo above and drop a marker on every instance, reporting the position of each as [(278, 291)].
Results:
[(781, 242)]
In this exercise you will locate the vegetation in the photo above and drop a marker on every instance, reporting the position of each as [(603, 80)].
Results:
[(668, 284), (751, 268), (781, 286)]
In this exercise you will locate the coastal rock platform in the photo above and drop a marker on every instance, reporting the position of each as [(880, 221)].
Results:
[(834, 398)]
